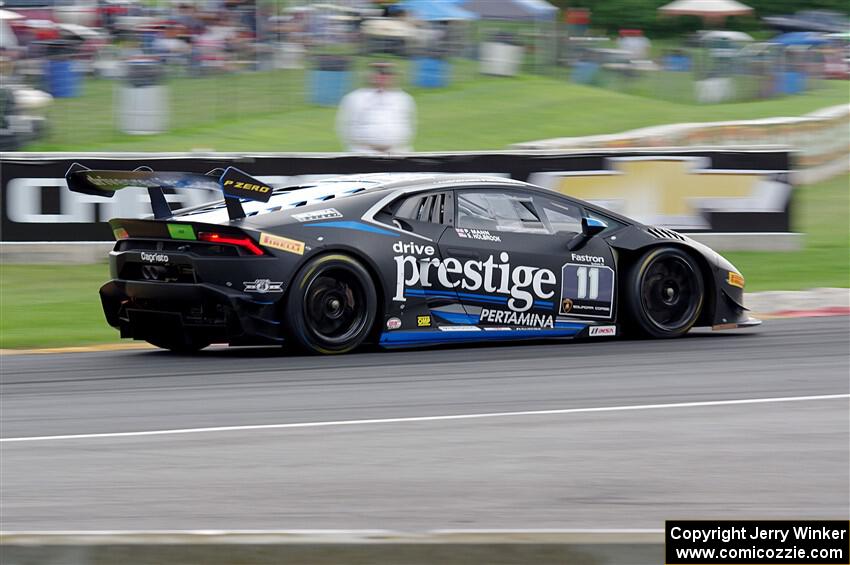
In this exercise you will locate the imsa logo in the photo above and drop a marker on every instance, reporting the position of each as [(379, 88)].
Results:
[(602, 331)]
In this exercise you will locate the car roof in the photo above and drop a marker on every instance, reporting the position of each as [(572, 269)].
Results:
[(381, 184), (385, 181), (333, 189)]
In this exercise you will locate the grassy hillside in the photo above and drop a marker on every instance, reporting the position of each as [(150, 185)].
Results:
[(268, 112)]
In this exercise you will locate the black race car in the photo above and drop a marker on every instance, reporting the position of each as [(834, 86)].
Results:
[(397, 260)]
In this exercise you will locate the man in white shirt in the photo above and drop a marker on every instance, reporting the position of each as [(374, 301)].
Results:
[(380, 119)]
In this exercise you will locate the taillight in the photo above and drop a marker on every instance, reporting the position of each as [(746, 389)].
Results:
[(244, 242)]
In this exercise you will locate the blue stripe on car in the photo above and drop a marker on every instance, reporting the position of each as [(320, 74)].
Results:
[(434, 337), (469, 296), (358, 226), (455, 295), (456, 317), (462, 319)]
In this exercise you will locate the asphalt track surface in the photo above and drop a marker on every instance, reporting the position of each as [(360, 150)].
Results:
[(631, 464)]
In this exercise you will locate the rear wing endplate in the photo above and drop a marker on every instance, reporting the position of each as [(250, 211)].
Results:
[(233, 183)]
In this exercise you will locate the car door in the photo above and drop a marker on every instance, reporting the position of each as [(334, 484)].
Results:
[(510, 251), (420, 283)]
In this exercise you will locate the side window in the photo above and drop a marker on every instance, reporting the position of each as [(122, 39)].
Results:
[(560, 216), (499, 211), (431, 208)]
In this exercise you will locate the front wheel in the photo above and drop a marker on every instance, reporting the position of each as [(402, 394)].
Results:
[(331, 306), (665, 293)]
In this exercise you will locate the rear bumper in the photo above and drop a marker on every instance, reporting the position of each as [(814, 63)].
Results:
[(143, 310)]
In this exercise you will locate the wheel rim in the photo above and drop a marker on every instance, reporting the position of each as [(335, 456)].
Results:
[(670, 292), (335, 305)]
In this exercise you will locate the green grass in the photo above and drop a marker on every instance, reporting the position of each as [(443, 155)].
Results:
[(55, 305), (823, 215), (266, 111), (52, 305)]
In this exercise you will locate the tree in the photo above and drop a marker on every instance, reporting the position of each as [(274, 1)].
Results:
[(613, 15)]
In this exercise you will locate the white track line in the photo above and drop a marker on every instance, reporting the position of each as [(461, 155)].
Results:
[(431, 418), (214, 532), (565, 537)]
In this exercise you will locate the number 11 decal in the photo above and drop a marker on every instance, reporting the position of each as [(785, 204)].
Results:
[(585, 273), (587, 291)]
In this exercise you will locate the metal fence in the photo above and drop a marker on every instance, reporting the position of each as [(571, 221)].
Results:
[(139, 87)]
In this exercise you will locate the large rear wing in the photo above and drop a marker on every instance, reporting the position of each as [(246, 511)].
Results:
[(233, 183)]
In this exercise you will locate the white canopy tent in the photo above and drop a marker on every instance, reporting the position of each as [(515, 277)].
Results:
[(724, 35), (7, 36), (9, 15), (512, 10), (708, 10)]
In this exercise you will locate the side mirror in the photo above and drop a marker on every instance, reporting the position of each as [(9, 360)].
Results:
[(592, 226), (589, 228)]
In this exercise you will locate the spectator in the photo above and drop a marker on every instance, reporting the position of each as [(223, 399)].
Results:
[(169, 46), (635, 44), (380, 119)]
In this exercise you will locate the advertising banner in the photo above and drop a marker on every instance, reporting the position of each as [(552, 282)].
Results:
[(717, 191)]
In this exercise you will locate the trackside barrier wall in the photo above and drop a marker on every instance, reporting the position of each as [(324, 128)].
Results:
[(728, 191), (821, 139), (334, 547)]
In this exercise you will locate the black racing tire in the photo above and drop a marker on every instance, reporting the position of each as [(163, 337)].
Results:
[(665, 293), (331, 306), (181, 344)]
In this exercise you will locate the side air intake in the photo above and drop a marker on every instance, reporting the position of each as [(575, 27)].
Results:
[(662, 233)]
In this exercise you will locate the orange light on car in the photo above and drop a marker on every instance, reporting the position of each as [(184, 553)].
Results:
[(735, 279)]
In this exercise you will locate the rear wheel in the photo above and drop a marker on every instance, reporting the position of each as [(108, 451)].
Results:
[(665, 293), (331, 305)]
